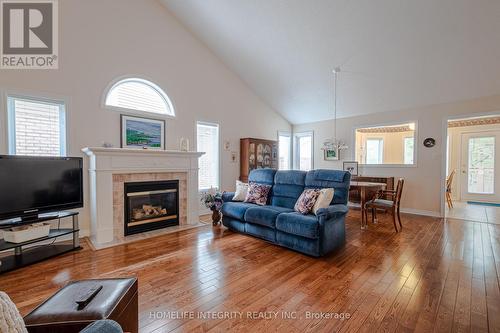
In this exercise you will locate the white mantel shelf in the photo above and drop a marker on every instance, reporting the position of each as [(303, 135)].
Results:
[(124, 151), (105, 162)]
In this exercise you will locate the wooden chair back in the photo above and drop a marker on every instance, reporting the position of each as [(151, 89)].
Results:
[(399, 192), (449, 181)]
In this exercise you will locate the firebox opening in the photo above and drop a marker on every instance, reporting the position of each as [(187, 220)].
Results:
[(151, 205)]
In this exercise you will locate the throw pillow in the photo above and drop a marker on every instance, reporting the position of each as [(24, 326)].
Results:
[(257, 193), (241, 191), (324, 199), (306, 201), (10, 319)]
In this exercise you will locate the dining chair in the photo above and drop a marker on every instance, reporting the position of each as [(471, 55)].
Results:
[(392, 205), (449, 183)]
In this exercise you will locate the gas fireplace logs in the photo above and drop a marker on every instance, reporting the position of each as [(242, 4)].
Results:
[(148, 211)]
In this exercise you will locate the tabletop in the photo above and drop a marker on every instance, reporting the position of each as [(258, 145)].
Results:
[(367, 184)]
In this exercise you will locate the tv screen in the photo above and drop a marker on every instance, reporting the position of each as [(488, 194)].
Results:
[(32, 185)]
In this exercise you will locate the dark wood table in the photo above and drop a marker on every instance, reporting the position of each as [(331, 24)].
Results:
[(363, 188)]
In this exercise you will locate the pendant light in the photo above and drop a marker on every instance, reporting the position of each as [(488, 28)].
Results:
[(335, 143)]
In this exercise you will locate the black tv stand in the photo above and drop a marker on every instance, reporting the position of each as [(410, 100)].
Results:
[(27, 256)]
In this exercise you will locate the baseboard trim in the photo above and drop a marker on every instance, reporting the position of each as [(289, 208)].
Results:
[(421, 212), (406, 210)]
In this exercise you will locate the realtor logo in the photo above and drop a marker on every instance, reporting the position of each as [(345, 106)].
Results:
[(29, 34)]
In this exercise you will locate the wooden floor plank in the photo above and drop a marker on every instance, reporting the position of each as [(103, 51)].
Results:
[(436, 275)]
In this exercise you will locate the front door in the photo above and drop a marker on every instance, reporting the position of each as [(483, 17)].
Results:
[(480, 160)]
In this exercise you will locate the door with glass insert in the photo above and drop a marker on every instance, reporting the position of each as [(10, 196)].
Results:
[(479, 162)]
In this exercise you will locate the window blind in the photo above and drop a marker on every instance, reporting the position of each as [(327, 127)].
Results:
[(139, 95), (208, 142), (38, 127)]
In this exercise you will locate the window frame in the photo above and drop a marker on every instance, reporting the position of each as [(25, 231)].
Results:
[(163, 94), (296, 150), (10, 129), (290, 148), (392, 123), (219, 154)]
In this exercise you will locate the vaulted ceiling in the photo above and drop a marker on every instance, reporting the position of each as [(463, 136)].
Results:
[(394, 54)]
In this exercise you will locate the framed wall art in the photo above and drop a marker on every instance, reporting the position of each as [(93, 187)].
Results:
[(144, 133)]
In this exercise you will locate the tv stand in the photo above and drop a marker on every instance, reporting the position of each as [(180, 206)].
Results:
[(26, 256)]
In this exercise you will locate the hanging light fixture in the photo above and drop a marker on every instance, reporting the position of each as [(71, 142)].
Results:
[(335, 143)]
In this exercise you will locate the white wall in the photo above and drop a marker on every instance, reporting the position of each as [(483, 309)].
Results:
[(423, 182), (102, 40)]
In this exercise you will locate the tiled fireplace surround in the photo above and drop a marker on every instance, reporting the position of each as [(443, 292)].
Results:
[(118, 194), (110, 168)]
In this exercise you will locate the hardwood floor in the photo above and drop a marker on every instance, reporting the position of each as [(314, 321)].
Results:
[(433, 276)]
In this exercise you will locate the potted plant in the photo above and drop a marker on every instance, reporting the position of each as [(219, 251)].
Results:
[(212, 199)]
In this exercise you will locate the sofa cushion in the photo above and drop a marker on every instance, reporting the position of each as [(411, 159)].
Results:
[(306, 201), (241, 191), (298, 224), (336, 179), (236, 210), (265, 215), (288, 186), (258, 193), (262, 176), (324, 199)]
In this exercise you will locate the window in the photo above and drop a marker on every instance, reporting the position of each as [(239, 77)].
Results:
[(408, 150), (285, 144), (208, 142), (387, 145), (374, 151), (304, 151), (481, 165), (135, 94), (37, 127)]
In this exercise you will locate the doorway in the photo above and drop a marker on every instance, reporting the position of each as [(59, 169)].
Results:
[(479, 161), (473, 164)]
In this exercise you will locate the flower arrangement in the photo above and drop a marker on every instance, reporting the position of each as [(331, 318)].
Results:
[(212, 199)]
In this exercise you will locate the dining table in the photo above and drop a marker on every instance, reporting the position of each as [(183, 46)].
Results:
[(364, 188)]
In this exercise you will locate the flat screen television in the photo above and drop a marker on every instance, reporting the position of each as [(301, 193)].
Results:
[(34, 185)]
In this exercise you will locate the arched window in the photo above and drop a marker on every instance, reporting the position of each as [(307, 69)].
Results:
[(134, 94)]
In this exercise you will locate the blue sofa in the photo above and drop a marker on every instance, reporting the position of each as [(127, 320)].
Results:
[(278, 223)]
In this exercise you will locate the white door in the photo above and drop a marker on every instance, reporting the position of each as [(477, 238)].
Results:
[(480, 160)]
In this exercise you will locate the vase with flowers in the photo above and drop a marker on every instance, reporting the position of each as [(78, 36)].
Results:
[(212, 199)]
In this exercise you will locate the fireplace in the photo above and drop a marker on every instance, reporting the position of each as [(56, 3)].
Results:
[(151, 205)]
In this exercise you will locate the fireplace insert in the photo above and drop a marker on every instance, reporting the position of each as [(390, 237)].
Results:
[(151, 205)]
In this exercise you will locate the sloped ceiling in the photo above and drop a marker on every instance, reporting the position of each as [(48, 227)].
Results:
[(394, 54)]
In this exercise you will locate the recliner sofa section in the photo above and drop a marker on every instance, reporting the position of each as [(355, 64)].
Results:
[(278, 223)]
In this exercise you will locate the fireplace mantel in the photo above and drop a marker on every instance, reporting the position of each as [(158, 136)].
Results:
[(106, 162), (121, 151)]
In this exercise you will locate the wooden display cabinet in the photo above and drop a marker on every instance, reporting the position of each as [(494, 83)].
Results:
[(257, 154)]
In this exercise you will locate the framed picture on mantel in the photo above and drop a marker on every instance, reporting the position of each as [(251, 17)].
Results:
[(144, 133)]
